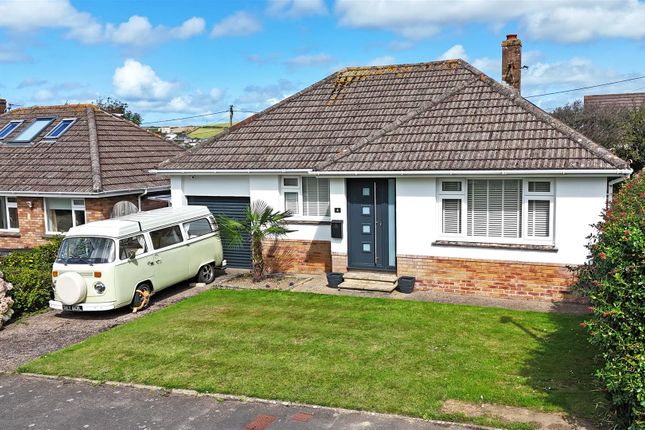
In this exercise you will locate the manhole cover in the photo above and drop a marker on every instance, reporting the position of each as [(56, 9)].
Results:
[(261, 422)]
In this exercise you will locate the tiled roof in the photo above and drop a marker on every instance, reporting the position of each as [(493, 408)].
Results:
[(98, 153), (443, 115)]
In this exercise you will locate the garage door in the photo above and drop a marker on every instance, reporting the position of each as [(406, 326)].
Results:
[(232, 207)]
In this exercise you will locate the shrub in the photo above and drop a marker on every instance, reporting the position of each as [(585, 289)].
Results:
[(614, 281), (30, 274)]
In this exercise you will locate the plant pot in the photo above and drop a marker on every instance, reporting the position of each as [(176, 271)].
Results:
[(406, 284), (334, 279)]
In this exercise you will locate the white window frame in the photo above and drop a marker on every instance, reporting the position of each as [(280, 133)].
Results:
[(15, 121), (301, 201), (451, 195), (536, 195), (75, 207), (48, 135), (9, 205), (524, 239)]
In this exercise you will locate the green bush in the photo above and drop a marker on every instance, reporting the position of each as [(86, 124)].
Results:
[(30, 274), (614, 282)]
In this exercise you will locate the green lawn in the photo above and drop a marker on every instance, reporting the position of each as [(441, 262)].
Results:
[(208, 131), (376, 354)]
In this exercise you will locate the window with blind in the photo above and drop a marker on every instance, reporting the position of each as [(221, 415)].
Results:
[(306, 196), (494, 208), (499, 210), (315, 197)]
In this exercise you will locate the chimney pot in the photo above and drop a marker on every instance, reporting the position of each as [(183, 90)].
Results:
[(512, 61), (3, 106)]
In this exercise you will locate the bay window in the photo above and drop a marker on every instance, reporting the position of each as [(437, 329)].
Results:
[(496, 210), (8, 213), (63, 214), (306, 196)]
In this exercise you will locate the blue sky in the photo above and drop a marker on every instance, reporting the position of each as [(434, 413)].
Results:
[(171, 59)]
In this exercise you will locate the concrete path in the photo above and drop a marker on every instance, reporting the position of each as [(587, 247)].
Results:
[(41, 403)]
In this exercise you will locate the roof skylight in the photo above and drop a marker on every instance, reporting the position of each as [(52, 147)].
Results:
[(33, 129), (60, 128), (7, 129)]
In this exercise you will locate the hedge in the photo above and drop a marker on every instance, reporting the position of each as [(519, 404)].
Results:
[(30, 274), (614, 281)]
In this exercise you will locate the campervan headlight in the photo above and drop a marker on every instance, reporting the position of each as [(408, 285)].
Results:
[(99, 287)]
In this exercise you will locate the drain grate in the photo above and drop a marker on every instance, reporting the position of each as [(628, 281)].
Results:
[(261, 422), (303, 417)]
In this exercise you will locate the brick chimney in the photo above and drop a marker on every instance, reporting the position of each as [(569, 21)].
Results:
[(512, 61), (3, 106)]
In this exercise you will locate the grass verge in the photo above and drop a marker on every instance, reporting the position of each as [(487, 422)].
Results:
[(381, 355)]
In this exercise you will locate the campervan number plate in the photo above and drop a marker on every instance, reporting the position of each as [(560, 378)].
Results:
[(72, 308)]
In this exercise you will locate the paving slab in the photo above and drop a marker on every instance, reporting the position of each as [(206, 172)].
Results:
[(42, 403)]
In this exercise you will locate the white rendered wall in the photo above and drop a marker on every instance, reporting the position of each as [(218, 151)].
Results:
[(578, 204), (224, 186)]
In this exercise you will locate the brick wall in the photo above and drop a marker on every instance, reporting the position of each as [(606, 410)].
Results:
[(32, 219), (32, 225), (300, 256), (489, 278)]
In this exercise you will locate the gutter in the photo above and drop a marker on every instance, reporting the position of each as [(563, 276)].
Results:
[(139, 198), (82, 195), (553, 172)]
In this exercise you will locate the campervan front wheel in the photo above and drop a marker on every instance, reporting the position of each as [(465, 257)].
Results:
[(206, 273), (141, 299)]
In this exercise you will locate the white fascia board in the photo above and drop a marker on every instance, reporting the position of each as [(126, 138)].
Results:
[(552, 172), (443, 173), (82, 195)]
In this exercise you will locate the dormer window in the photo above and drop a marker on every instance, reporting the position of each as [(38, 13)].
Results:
[(60, 128), (7, 129), (33, 129)]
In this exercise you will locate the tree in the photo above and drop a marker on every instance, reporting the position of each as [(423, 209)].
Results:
[(260, 222), (622, 131), (613, 279), (119, 108)]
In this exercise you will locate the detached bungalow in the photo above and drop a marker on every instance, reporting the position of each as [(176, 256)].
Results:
[(433, 170), (62, 166)]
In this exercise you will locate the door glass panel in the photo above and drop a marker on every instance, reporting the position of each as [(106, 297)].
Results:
[(367, 247), (367, 228), (366, 210), (391, 222), (366, 191)]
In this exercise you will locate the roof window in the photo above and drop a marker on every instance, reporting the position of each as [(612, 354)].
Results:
[(7, 129), (33, 129), (60, 128)]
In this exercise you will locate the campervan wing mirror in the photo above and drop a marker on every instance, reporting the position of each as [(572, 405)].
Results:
[(131, 254)]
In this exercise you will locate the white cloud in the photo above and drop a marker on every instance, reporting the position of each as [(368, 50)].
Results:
[(215, 94), (238, 24), (400, 45), (138, 31), (10, 53), (31, 82), (22, 16), (454, 52), (296, 8), (43, 95), (561, 20), (135, 80), (261, 96), (382, 61), (310, 60)]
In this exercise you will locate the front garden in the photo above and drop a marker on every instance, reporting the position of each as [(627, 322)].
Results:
[(374, 354)]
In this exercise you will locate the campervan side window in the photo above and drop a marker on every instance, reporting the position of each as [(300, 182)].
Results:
[(134, 243), (165, 237), (197, 228)]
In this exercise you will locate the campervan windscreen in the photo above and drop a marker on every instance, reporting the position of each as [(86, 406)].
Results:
[(86, 250)]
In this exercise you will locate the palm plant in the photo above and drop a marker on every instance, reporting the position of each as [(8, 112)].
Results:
[(260, 222)]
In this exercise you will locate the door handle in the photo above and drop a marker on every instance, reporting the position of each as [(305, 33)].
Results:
[(158, 261), (151, 263)]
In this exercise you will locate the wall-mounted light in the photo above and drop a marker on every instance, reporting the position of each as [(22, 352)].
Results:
[(30, 204)]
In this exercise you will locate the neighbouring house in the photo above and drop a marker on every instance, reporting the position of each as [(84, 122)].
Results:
[(615, 101), (61, 166), (433, 170)]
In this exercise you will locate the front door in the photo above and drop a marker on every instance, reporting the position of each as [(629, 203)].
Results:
[(371, 224)]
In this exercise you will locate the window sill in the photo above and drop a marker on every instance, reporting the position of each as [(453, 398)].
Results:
[(303, 221), (512, 246), (9, 233)]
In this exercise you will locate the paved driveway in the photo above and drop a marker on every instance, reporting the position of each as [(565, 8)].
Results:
[(39, 403)]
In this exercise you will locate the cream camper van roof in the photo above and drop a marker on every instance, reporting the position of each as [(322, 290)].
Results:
[(142, 221)]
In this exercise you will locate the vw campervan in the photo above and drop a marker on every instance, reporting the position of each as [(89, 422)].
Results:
[(122, 261)]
